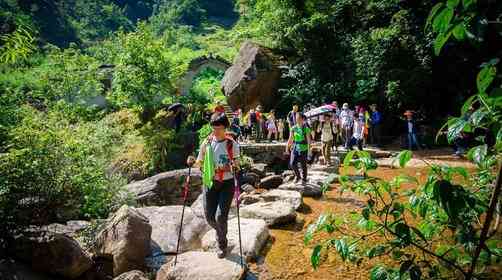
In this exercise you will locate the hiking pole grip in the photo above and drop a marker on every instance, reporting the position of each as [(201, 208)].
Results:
[(185, 194)]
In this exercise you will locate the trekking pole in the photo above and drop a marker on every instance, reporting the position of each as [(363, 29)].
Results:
[(237, 200), (185, 194)]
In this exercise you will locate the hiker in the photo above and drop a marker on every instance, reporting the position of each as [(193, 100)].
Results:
[(259, 121), (235, 128), (271, 126), (411, 130), (367, 125), (346, 123), (327, 130), (298, 147), (292, 116), (375, 129), (280, 129), (218, 156), (358, 132), (254, 124)]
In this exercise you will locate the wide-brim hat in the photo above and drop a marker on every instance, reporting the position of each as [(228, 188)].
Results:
[(345, 105)]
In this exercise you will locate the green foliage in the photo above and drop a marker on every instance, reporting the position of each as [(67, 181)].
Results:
[(141, 78), (17, 46), (55, 171)]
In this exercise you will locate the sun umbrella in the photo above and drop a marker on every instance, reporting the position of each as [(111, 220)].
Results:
[(319, 111)]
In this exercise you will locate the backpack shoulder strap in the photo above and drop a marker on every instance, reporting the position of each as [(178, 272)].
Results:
[(230, 148)]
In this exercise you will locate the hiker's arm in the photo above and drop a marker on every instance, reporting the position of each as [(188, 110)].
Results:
[(290, 141)]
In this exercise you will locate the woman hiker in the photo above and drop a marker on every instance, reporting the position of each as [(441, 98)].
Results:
[(218, 157), (298, 147)]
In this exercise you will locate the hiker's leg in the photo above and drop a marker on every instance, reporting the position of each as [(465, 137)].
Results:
[(225, 197), (360, 144), (210, 203), (410, 141), (327, 158), (415, 141), (323, 150), (303, 162), (293, 163)]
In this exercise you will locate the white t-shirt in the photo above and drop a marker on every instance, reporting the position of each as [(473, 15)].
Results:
[(346, 118), (410, 127), (221, 158), (358, 129)]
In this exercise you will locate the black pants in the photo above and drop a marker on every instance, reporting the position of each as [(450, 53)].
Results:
[(219, 197), (298, 157), (355, 141), (375, 132)]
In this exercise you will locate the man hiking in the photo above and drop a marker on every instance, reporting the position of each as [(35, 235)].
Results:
[(328, 132), (298, 147), (218, 157)]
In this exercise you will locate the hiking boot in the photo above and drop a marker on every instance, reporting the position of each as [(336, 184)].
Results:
[(221, 253)]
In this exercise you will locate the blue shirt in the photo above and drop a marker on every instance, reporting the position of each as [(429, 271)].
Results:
[(376, 118)]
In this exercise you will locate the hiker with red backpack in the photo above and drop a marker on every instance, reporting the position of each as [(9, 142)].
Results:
[(299, 147), (218, 159)]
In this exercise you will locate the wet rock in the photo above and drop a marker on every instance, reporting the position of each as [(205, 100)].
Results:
[(292, 197), (274, 213), (271, 182), (308, 189)]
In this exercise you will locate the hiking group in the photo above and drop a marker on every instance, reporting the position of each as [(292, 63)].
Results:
[(219, 153)]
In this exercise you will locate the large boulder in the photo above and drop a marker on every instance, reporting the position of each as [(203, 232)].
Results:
[(201, 266), (14, 270), (51, 252), (274, 213), (254, 235), (252, 79), (292, 197), (165, 222), (166, 188), (125, 237), (131, 275), (271, 182)]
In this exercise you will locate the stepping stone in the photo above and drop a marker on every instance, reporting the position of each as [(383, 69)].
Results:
[(271, 182), (292, 197), (325, 168), (202, 266), (254, 234), (309, 189), (275, 212), (165, 222)]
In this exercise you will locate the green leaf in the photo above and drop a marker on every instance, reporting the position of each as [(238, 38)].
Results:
[(432, 13), (376, 251), (459, 31), (315, 258), (485, 77), (440, 40), (442, 21), (477, 116), (453, 3), (455, 126), (419, 233), (366, 213), (378, 273), (404, 157), (468, 103), (478, 153), (348, 158), (468, 3)]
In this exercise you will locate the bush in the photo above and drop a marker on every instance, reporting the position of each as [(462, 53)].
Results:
[(55, 171)]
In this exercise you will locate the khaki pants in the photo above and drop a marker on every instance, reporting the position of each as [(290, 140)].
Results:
[(326, 151)]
